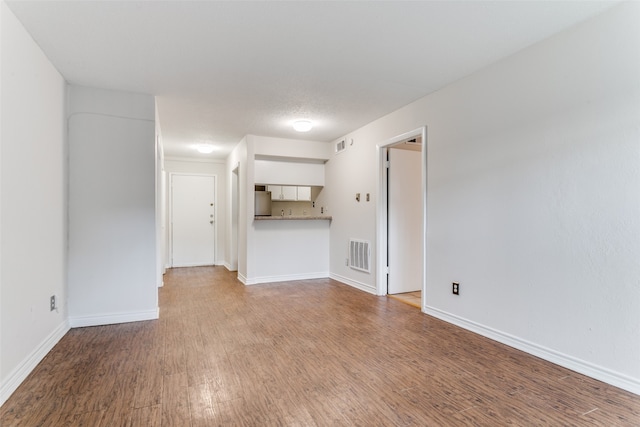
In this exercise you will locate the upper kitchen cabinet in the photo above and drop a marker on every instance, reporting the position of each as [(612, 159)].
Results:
[(304, 194), (289, 193), (283, 192), (296, 173)]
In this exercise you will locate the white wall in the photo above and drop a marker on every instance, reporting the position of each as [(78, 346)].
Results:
[(33, 205), (112, 229), (533, 201), (196, 166), (352, 171), (290, 250)]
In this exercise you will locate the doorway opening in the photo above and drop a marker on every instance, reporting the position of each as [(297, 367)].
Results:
[(402, 216)]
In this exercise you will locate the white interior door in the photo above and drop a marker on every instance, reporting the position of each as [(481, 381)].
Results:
[(404, 198), (192, 220)]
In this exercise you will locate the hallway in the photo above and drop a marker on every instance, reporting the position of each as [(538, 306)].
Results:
[(305, 353)]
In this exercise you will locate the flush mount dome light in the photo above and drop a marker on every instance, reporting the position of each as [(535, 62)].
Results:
[(205, 148), (302, 125)]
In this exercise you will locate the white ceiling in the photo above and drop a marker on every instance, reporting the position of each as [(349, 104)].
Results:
[(224, 69)]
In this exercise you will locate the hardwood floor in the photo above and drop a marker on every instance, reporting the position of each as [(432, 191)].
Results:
[(304, 353)]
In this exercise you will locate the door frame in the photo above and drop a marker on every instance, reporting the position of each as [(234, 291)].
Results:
[(382, 248), (170, 210), (234, 217)]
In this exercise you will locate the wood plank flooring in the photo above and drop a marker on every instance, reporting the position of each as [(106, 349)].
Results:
[(304, 353)]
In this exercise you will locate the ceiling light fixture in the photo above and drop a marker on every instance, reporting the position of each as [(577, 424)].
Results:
[(302, 125), (205, 148)]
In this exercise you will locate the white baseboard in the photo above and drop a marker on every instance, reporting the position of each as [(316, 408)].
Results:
[(287, 278), (354, 283), (18, 375), (113, 318), (242, 278), (597, 372), (229, 267)]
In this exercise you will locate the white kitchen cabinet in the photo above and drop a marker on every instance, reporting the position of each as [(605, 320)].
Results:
[(276, 191), (283, 192), (289, 192), (304, 194)]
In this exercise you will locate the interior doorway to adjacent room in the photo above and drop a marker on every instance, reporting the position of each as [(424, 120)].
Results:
[(401, 234)]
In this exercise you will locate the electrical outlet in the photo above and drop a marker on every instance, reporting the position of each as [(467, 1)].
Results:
[(52, 303), (321, 209), (346, 262), (455, 288)]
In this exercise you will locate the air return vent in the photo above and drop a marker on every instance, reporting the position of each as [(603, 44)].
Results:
[(359, 255), (340, 146)]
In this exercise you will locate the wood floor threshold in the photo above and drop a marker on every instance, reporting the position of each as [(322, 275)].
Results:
[(404, 300), (300, 353)]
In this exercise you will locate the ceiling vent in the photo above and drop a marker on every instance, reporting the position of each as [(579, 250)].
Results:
[(340, 146)]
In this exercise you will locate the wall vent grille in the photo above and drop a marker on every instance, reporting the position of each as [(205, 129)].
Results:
[(340, 146), (360, 255)]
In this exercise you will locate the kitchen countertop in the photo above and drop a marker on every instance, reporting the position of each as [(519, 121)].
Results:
[(292, 217)]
